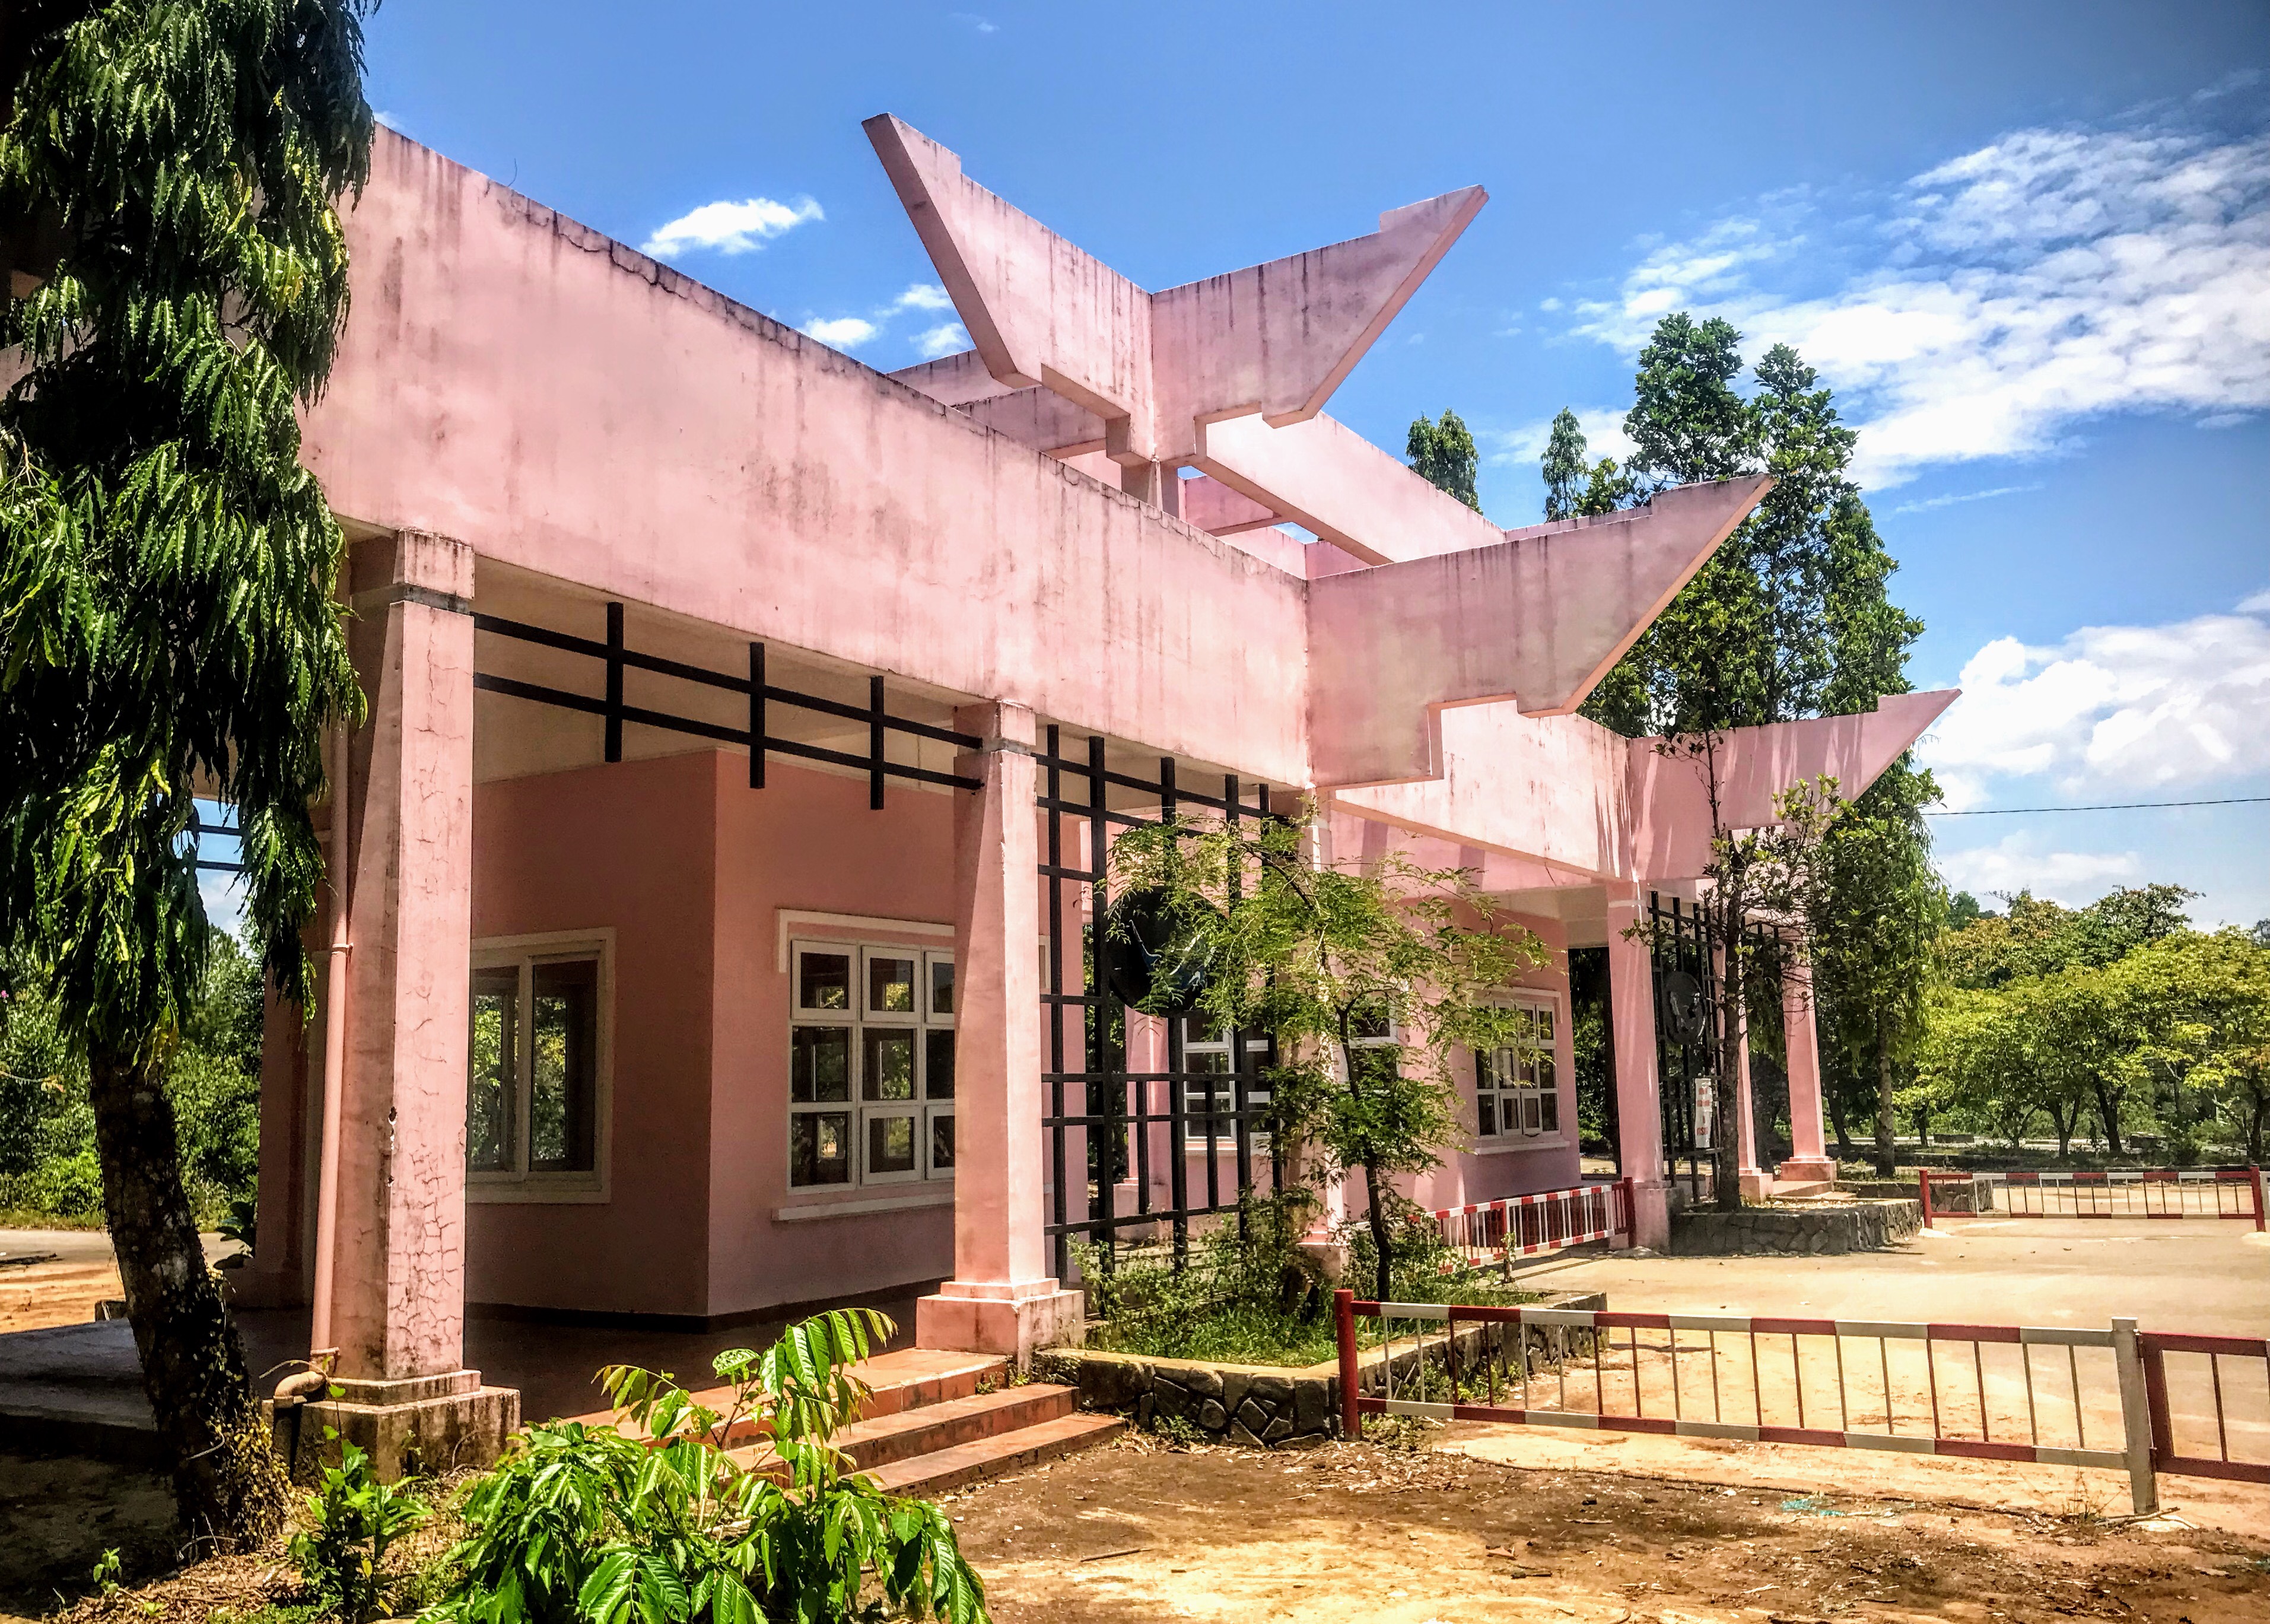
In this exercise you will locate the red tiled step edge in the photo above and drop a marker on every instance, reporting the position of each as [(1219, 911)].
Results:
[(993, 1457), (889, 1439)]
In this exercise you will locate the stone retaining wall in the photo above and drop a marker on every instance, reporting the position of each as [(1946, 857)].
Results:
[(1795, 1231), (1262, 1405)]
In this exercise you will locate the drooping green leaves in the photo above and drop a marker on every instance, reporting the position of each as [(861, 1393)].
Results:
[(673, 1516), (1441, 452), (166, 619)]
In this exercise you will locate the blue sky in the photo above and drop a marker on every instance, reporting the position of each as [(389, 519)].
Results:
[(2029, 244)]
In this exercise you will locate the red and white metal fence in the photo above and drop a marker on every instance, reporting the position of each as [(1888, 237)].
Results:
[(2056, 1395), (2157, 1192), (1515, 1226)]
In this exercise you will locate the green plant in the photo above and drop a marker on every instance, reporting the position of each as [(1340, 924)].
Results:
[(1374, 976), (1178, 1430), (241, 1223), (356, 1517), (655, 1520), (104, 1576)]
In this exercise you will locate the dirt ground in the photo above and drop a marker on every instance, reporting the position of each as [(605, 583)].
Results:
[(1387, 1535), (54, 1277)]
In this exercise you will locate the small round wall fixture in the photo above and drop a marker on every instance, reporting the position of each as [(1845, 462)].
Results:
[(1684, 1009), (1158, 954)]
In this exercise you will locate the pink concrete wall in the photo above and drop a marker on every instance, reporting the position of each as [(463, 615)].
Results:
[(807, 842), (564, 403), (630, 847), (1473, 1174)]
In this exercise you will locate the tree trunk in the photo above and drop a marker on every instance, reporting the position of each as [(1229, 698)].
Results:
[(228, 1484), (1844, 1150), (2108, 1112), (2254, 1130), (1376, 1202), (2065, 1123), (1887, 1155)]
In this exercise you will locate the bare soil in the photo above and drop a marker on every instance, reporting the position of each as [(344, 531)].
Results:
[(1389, 1536)]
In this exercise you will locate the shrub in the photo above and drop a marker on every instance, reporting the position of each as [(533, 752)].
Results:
[(653, 1522), (355, 1518)]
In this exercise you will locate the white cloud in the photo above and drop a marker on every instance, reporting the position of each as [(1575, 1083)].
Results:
[(1932, 504), (2112, 710), (2013, 293), (730, 227), (923, 296), (2258, 604), (943, 339), (2016, 864), (1604, 436), (842, 332), (969, 19)]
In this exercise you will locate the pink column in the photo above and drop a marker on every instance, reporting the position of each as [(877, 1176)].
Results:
[(1754, 1183), (1002, 1299), (397, 1310), (1639, 1109), (391, 1283), (1809, 1159)]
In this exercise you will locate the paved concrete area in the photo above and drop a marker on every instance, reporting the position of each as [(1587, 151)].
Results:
[(2193, 1274)]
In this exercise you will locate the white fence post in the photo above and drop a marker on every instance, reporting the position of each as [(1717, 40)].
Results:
[(2135, 1417)]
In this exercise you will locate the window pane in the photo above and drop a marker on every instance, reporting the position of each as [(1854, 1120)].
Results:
[(937, 1065), (564, 1066), (1544, 1071), (1374, 1023), (890, 1064), (1487, 1103), (890, 1144), (890, 984), (941, 1141), (1529, 1113), (823, 981), (942, 986), (820, 1148), (820, 1064), (1545, 1025), (1550, 1106), (494, 1073)]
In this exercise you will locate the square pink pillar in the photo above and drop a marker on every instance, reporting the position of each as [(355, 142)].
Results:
[(395, 1310), (1639, 1105), (1809, 1162), (1002, 1299)]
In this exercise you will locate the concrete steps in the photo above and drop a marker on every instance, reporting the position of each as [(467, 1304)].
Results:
[(966, 1463), (928, 1428)]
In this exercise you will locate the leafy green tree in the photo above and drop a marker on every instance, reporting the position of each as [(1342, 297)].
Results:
[(1443, 454), (167, 617), (1375, 979), (1566, 471)]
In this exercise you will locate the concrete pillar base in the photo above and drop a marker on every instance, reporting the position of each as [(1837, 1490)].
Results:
[(421, 1425), (1757, 1183), (979, 1317), (1806, 1170), (1650, 1214)]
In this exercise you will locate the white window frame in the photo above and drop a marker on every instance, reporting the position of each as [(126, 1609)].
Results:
[(1526, 1096), (1194, 1093), (519, 1183), (859, 1020)]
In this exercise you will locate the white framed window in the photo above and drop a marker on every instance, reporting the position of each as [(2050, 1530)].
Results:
[(1517, 1088), (538, 1065), (1212, 1093), (871, 1064)]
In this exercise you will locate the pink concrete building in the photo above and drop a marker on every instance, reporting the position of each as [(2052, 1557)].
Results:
[(713, 873)]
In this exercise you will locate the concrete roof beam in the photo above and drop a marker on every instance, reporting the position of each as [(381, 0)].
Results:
[(1538, 617)]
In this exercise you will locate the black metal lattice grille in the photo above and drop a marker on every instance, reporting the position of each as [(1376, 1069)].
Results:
[(761, 694), (1103, 1120), (1685, 1052)]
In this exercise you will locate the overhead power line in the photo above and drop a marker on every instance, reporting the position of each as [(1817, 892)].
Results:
[(2006, 812)]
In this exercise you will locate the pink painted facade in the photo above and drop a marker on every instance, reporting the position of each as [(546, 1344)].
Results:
[(622, 1033)]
